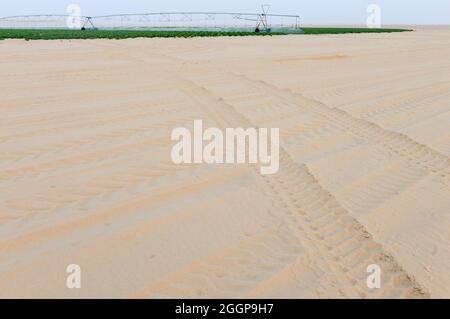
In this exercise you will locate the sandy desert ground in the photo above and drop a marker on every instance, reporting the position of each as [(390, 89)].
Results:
[(86, 176)]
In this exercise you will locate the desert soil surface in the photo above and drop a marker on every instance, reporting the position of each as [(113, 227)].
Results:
[(86, 176)]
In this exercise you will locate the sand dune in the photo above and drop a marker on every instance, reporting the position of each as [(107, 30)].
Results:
[(86, 176)]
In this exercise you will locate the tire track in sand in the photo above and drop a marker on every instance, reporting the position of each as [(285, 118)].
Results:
[(312, 220), (340, 247), (394, 142)]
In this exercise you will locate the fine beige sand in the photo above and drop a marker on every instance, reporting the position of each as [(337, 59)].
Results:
[(86, 176)]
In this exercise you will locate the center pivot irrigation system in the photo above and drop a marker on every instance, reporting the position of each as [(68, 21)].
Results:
[(258, 22)]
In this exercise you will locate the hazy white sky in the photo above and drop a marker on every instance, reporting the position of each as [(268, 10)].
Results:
[(311, 12)]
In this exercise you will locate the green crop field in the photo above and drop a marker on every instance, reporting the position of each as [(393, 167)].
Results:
[(33, 34), (116, 34)]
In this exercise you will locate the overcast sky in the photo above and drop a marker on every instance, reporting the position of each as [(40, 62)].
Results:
[(311, 12)]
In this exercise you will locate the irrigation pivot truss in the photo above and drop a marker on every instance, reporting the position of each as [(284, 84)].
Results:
[(157, 20)]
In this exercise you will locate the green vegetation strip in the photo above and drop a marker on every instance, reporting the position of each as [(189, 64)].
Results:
[(34, 34), (116, 34)]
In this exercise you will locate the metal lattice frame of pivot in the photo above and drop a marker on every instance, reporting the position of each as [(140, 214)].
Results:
[(88, 24), (159, 20)]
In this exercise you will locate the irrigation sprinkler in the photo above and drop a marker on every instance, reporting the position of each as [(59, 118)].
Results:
[(88, 24), (259, 22), (262, 20)]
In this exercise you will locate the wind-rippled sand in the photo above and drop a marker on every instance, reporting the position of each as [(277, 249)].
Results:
[(86, 176)]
